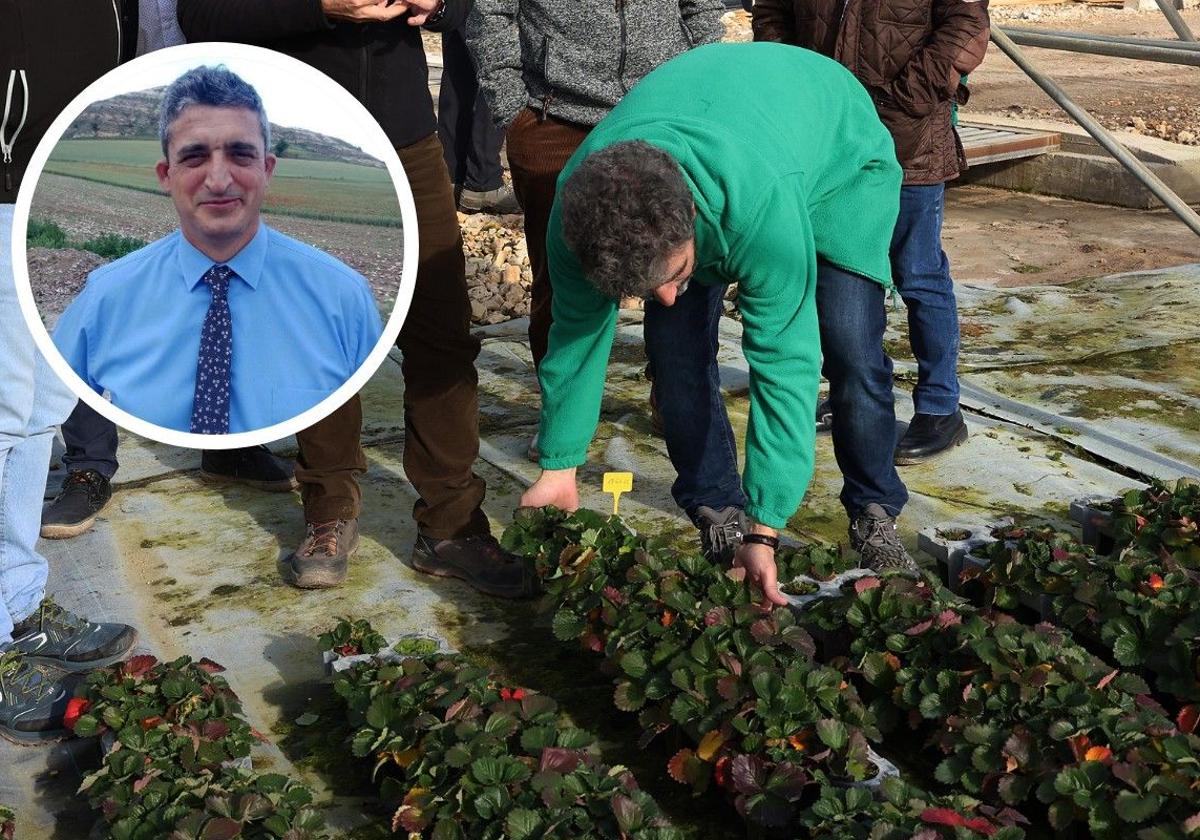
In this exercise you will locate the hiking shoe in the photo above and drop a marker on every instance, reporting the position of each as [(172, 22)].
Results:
[(873, 536), (824, 415), (929, 435), (33, 699), (480, 561), (322, 558), (84, 494), (254, 466), (720, 532), (70, 641), (501, 201)]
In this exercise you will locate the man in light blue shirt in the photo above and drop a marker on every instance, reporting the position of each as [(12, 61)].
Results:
[(225, 325)]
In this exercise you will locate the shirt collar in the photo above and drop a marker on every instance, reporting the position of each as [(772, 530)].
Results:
[(246, 263)]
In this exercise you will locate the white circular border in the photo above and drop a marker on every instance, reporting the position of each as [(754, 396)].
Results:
[(213, 52)]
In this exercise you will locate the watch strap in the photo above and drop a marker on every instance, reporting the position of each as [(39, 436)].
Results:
[(762, 539)]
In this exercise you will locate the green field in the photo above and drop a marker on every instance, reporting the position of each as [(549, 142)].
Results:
[(314, 189)]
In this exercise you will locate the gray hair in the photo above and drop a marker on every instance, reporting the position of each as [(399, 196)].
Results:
[(218, 87), (625, 209)]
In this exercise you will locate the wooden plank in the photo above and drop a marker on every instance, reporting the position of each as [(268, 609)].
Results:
[(1018, 146)]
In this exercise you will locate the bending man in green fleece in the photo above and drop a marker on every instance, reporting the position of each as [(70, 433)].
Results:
[(766, 166)]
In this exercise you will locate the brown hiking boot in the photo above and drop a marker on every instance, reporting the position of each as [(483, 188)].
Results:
[(480, 561), (321, 560)]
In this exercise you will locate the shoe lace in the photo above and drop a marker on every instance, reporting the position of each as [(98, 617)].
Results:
[(18, 676), (53, 617), (88, 480), (722, 537), (323, 537), (881, 536)]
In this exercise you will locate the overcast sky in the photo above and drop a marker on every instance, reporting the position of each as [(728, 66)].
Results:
[(293, 93)]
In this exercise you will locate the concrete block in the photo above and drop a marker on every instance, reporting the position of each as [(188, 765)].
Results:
[(1094, 515)]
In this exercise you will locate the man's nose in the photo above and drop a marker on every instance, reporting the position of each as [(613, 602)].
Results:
[(218, 177), (665, 293)]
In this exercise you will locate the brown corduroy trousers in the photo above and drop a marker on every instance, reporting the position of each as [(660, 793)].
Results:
[(441, 401), (538, 149)]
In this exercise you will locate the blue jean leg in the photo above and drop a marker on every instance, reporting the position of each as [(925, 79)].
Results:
[(852, 317), (681, 342), (922, 275), (32, 402)]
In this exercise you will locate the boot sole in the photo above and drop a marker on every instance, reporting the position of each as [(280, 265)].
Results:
[(34, 739), (66, 532), (960, 437), (318, 578), (280, 486), (444, 570)]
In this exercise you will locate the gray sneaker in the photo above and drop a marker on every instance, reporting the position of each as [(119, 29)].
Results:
[(70, 641), (873, 536), (500, 201), (33, 699), (720, 532), (322, 559)]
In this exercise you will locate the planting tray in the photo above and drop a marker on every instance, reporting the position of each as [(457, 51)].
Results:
[(884, 770), (949, 544), (831, 588), (1095, 517), (334, 663)]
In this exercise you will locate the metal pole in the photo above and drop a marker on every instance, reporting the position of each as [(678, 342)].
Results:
[(1176, 20), (1190, 46), (1102, 136), (1167, 55)]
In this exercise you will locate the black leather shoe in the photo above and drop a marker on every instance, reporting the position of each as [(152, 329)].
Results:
[(84, 494), (929, 435), (254, 466)]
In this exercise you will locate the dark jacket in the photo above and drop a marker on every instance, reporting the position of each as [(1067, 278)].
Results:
[(575, 59), (50, 50), (381, 64), (909, 54)]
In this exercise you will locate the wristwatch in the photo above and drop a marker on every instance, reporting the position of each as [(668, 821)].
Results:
[(761, 539), (436, 16)]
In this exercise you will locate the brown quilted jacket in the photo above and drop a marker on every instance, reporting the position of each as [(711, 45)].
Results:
[(910, 55)]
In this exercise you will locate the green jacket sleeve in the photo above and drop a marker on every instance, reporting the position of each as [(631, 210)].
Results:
[(775, 263), (572, 374)]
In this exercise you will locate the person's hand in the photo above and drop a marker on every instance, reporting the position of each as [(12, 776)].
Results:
[(759, 563), (553, 487), (364, 11), (421, 10)]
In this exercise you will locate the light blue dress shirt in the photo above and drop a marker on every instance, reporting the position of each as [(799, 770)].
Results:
[(303, 322)]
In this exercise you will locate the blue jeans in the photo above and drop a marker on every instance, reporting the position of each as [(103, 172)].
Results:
[(32, 402), (681, 341), (922, 275)]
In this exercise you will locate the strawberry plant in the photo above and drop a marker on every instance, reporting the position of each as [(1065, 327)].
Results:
[(350, 638), (462, 756), (904, 812), (1162, 520), (8, 824), (171, 767)]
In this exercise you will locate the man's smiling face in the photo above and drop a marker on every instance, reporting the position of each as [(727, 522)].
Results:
[(217, 172)]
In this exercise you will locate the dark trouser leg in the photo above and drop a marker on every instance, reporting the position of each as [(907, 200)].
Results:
[(441, 399), (441, 405), (91, 441), (681, 341), (329, 460), (470, 141), (852, 317), (922, 275), (537, 152)]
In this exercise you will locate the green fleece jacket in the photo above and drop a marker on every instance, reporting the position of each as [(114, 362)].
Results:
[(787, 162)]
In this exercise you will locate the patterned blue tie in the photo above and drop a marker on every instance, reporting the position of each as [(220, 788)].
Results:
[(210, 408)]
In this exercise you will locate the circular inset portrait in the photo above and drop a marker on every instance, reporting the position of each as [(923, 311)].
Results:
[(215, 245)]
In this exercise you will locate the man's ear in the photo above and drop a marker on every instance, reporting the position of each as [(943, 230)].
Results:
[(269, 163), (162, 170)]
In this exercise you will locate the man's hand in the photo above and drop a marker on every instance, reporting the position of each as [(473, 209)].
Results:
[(421, 10), (759, 563), (553, 487), (364, 11)]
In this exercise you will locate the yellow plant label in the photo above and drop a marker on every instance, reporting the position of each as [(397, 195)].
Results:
[(617, 483)]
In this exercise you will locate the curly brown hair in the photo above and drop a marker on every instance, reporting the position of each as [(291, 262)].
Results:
[(625, 209)]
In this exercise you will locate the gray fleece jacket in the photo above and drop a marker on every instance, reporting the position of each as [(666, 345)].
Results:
[(575, 59)]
